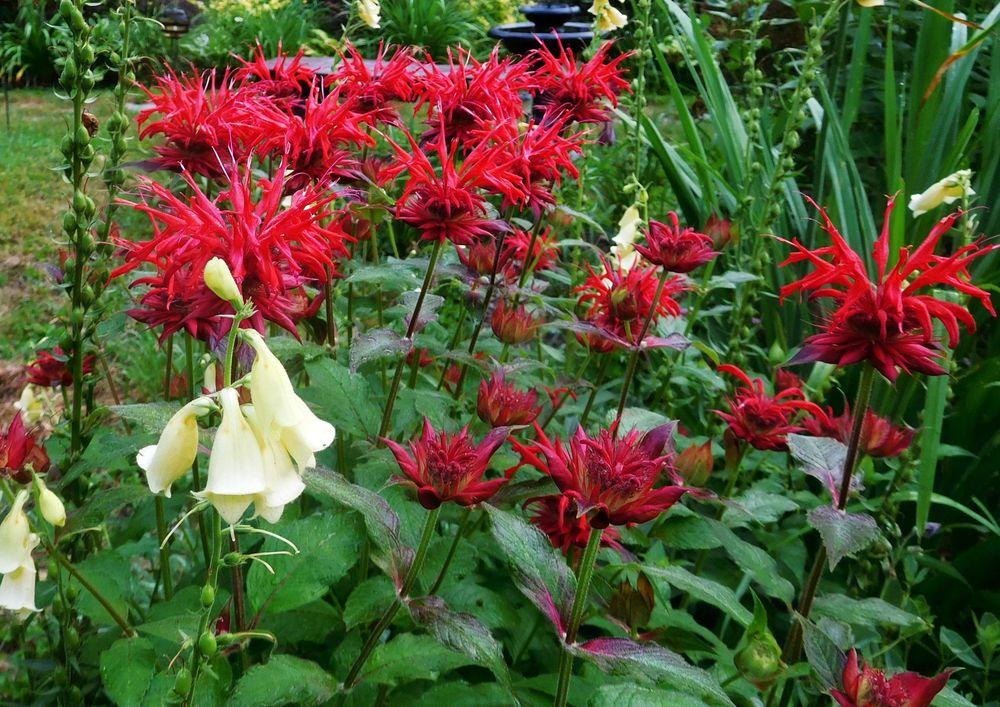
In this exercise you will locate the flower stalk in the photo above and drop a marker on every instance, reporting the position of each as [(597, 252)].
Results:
[(634, 358), (585, 573)]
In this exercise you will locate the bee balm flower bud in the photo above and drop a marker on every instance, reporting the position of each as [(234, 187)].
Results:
[(946, 191), (236, 466), (174, 453), (220, 281), (51, 507)]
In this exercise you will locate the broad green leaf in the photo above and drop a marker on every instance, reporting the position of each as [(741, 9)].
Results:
[(328, 544), (462, 633), (342, 398), (111, 574), (686, 531), (376, 345), (824, 649), (147, 417), (284, 680), (638, 419), (461, 694), (627, 695), (368, 601), (127, 669), (930, 438), (389, 275), (843, 533), (866, 612), (409, 657), (960, 648), (754, 561), (311, 623), (653, 664), (107, 504), (756, 506), (702, 590)]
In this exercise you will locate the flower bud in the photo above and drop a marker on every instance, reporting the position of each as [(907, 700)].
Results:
[(513, 325), (759, 661), (49, 504), (220, 281), (695, 463)]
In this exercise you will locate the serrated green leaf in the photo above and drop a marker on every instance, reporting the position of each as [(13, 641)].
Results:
[(368, 601), (701, 589), (284, 680), (342, 398), (409, 657), (625, 695), (127, 669), (843, 533), (866, 612)]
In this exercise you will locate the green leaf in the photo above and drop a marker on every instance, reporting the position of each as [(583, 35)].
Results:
[(110, 573), (460, 694), (866, 612), (376, 345), (310, 623), (462, 633), (625, 695), (368, 601), (409, 657), (652, 663), (930, 438), (127, 669), (329, 545), (107, 504), (756, 506), (686, 532), (702, 590), (342, 398), (638, 419), (843, 533), (284, 680), (824, 651), (754, 561), (960, 648), (147, 417), (389, 275)]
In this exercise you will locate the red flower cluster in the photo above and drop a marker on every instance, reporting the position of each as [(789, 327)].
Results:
[(274, 252), (479, 256), (287, 82), (20, 452), (675, 249), (374, 90), (609, 478), (865, 686), (885, 319), (879, 436), (442, 467), (557, 517), (570, 92), (618, 301), (540, 156), (762, 420), (500, 404), (52, 368)]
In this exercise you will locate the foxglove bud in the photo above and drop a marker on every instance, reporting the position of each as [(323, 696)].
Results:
[(220, 281), (51, 507)]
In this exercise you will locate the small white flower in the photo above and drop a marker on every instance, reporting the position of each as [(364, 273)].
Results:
[(17, 589), (16, 537), (175, 452), (32, 404), (283, 483), (607, 17), (947, 191), (624, 252), (370, 12), (236, 465), (871, 3)]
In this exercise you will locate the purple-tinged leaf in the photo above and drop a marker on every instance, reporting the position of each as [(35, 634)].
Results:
[(825, 644), (462, 633), (823, 458), (428, 308), (377, 344), (675, 341), (843, 533), (537, 569), (652, 663)]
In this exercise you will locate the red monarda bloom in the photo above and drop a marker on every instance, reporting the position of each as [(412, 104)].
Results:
[(500, 404), (675, 249), (720, 230), (762, 420), (287, 82), (515, 256), (271, 250), (52, 368), (471, 99), (541, 155), (556, 516), (884, 319), (783, 378), (618, 300), (865, 686), (513, 324), (373, 90), (442, 467), (879, 436), (610, 478), (20, 452), (571, 92), (450, 205)]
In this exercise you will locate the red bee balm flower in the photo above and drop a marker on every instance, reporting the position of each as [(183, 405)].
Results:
[(879, 436), (868, 687), (884, 320), (556, 516), (500, 404), (513, 324), (52, 368), (676, 249), (610, 478), (571, 92), (448, 468), (761, 420), (20, 453)]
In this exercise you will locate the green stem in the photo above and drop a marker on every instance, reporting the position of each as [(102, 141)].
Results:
[(598, 382), (85, 583), (410, 328), (463, 526), (161, 533), (408, 582), (634, 358), (584, 574), (195, 472), (211, 587)]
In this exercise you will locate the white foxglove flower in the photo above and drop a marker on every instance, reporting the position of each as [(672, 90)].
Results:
[(236, 466), (283, 483), (947, 191), (15, 537), (607, 17), (871, 3), (219, 279), (32, 405), (17, 589), (370, 12), (51, 507), (175, 452), (623, 251), (278, 407)]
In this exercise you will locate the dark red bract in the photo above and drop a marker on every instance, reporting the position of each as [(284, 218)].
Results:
[(610, 478), (879, 436), (52, 368), (884, 319), (513, 324), (675, 249), (556, 516), (442, 467), (864, 686), (762, 420), (20, 452), (500, 404)]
